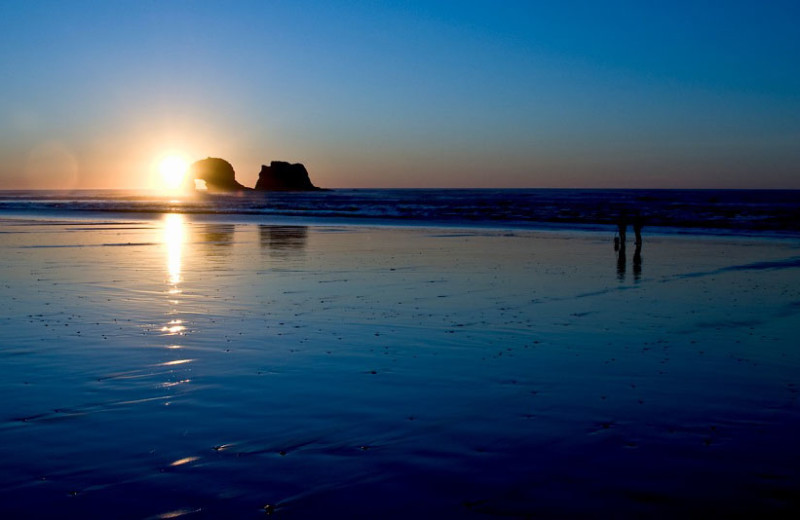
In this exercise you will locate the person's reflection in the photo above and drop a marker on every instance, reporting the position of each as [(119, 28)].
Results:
[(637, 262), (638, 224), (619, 245), (621, 261), (283, 240)]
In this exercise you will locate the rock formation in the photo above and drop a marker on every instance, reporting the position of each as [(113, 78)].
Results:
[(219, 176), (217, 173), (282, 176)]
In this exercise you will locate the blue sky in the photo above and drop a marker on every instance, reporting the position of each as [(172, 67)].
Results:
[(404, 94)]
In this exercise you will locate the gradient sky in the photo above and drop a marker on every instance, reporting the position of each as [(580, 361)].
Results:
[(404, 94)]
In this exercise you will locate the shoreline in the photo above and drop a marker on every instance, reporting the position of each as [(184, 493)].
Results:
[(266, 219)]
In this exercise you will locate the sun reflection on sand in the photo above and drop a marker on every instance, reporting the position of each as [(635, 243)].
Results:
[(174, 236), (173, 327), (175, 383), (174, 239), (176, 362), (185, 460)]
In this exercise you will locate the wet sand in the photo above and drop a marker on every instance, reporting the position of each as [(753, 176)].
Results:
[(181, 367)]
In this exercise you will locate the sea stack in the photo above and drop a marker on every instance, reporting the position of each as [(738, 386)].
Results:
[(217, 173), (283, 176)]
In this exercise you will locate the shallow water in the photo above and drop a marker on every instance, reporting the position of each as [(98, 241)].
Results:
[(183, 367)]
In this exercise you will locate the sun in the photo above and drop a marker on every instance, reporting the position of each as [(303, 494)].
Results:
[(173, 169)]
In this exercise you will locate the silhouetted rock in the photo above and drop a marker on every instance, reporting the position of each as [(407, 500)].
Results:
[(217, 173), (282, 176)]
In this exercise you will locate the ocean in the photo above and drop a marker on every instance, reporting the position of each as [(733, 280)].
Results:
[(714, 211)]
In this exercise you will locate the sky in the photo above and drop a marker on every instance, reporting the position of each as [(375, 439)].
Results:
[(372, 94)]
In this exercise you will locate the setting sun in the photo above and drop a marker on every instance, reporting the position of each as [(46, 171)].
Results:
[(173, 171)]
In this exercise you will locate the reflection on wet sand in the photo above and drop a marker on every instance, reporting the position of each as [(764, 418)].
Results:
[(637, 262), (622, 260), (304, 386), (283, 240), (217, 234), (174, 236), (175, 371), (619, 246), (216, 240), (173, 327)]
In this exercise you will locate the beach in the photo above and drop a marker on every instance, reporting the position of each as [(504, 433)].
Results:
[(175, 365)]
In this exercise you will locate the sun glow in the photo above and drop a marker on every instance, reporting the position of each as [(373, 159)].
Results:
[(173, 170)]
